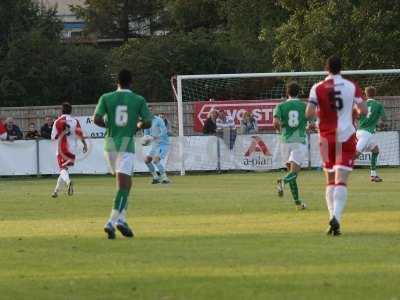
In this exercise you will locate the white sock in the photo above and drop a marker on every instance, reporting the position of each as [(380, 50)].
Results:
[(122, 216), (113, 216), (340, 199), (329, 191), (65, 176), (373, 173), (59, 185)]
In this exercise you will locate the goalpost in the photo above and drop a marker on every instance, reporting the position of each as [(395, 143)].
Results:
[(262, 86)]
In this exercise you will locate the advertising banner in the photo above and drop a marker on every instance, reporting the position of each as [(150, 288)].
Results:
[(91, 130), (18, 158), (201, 153), (262, 110)]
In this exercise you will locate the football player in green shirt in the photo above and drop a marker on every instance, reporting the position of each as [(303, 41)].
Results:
[(122, 113), (366, 130), (290, 121)]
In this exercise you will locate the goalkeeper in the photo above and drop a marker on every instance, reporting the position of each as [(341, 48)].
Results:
[(158, 137), (366, 130), (290, 121)]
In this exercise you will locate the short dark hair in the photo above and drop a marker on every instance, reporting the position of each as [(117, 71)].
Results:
[(292, 89), (370, 91), (66, 108), (333, 64), (124, 78)]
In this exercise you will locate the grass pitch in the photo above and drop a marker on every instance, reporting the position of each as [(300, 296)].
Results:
[(203, 237)]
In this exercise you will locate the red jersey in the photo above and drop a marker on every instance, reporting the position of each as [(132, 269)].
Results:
[(3, 129), (335, 98), (67, 130)]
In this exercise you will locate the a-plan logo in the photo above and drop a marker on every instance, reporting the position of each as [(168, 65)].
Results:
[(257, 145), (364, 159), (258, 154)]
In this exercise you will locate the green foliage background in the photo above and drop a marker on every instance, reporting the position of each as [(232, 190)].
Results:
[(185, 37)]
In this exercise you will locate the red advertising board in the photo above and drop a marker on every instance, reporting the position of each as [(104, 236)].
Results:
[(262, 110)]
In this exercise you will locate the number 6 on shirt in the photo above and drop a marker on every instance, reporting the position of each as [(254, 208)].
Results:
[(121, 115)]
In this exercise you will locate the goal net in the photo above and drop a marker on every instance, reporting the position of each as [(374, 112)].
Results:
[(258, 94)]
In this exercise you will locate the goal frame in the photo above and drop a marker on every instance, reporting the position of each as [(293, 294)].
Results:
[(179, 95)]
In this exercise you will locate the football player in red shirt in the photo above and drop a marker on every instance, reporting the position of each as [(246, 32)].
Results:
[(66, 130), (332, 101)]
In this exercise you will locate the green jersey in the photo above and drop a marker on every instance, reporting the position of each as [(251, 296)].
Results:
[(121, 110), (291, 115), (375, 113)]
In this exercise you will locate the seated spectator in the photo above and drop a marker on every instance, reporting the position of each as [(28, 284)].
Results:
[(3, 131), (45, 131), (248, 125), (32, 133), (210, 125), (13, 131)]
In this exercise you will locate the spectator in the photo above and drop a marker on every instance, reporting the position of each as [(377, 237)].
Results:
[(13, 131), (166, 122), (226, 129), (224, 121), (210, 125), (248, 125), (32, 132), (3, 131), (45, 131)]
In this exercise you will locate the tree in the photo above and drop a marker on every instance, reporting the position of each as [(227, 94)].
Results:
[(119, 18), (251, 28), (244, 27), (17, 19), (365, 33), (36, 68), (153, 61), (187, 16), (39, 71), (20, 16), (205, 37)]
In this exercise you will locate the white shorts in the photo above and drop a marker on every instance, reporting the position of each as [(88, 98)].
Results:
[(366, 141), (120, 162), (294, 152)]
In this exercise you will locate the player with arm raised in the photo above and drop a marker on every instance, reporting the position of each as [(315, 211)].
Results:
[(119, 113), (66, 130), (290, 121), (157, 135), (366, 130), (333, 100)]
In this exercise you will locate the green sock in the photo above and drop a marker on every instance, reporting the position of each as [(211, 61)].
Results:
[(121, 199), (374, 158), (289, 177), (295, 191)]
